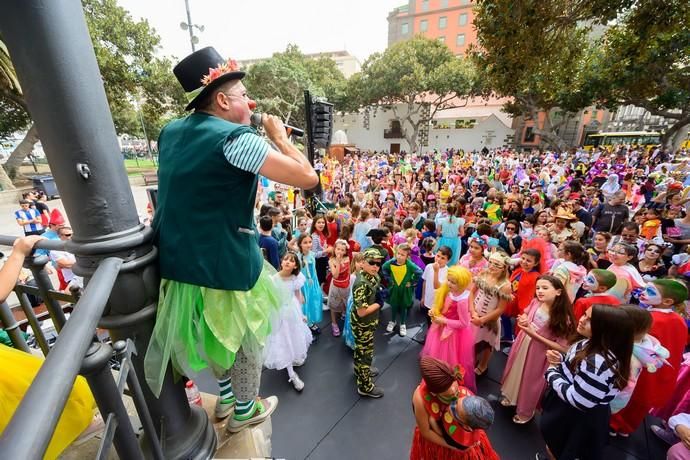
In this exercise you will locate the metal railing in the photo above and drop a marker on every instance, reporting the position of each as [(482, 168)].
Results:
[(76, 351)]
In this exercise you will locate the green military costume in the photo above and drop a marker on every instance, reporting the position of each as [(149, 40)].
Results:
[(363, 327), (402, 280)]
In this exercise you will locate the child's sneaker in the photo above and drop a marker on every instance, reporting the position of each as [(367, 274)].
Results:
[(391, 326), (403, 330), (264, 409), (335, 330)]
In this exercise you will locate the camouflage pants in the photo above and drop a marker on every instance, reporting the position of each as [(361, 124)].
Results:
[(364, 353)]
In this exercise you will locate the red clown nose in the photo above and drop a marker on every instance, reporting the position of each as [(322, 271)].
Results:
[(251, 104)]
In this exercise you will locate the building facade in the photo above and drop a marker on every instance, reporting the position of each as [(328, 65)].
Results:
[(468, 128), (449, 21)]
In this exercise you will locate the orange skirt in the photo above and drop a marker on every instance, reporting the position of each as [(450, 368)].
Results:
[(422, 449)]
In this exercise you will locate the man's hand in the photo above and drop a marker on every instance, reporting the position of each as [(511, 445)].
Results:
[(436, 267), (275, 130), (26, 244)]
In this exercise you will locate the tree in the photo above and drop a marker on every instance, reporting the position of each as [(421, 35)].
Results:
[(278, 83), (125, 50), (414, 79), (644, 60), (536, 52)]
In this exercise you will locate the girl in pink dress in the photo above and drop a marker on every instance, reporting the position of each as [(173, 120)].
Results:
[(474, 260), (450, 338), (547, 324)]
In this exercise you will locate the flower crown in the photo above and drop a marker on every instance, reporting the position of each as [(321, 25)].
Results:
[(222, 69)]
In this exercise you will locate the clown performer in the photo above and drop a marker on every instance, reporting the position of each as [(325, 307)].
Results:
[(450, 419), (668, 327), (216, 295)]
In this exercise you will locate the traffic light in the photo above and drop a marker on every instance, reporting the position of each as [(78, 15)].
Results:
[(320, 121)]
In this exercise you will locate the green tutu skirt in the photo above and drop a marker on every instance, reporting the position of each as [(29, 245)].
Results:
[(198, 327)]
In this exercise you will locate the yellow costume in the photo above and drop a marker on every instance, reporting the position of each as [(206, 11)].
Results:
[(18, 371)]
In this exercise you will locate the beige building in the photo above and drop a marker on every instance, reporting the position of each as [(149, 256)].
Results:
[(346, 63)]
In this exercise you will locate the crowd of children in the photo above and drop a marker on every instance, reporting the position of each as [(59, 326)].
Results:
[(531, 269)]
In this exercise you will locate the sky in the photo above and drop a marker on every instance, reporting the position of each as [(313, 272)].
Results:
[(245, 29)]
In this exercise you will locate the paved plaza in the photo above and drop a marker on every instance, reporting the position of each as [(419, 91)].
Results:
[(329, 421)]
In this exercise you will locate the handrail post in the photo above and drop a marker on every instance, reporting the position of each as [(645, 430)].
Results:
[(12, 328), (53, 56), (37, 265)]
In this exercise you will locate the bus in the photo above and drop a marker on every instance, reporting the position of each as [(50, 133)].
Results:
[(647, 139)]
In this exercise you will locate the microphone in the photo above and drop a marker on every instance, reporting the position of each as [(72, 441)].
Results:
[(256, 121)]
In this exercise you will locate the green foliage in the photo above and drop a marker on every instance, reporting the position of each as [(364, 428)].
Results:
[(13, 117), (536, 52), (644, 59), (278, 83), (415, 73)]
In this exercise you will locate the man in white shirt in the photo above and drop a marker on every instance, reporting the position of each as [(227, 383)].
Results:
[(64, 261)]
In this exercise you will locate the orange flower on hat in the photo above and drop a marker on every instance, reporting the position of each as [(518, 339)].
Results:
[(222, 69)]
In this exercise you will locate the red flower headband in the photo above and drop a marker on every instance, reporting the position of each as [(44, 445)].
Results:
[(222, 69)]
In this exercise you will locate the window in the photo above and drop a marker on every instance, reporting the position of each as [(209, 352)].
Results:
[(462, 19), (442, 22), (444, 3), (404, 28), (423, 25), (442, 39), (460, 40), (425, 5), (529, 135)]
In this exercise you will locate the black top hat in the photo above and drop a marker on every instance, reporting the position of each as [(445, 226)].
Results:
[(203, 71)]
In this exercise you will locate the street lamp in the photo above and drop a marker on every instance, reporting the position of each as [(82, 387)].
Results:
[(193, 39)]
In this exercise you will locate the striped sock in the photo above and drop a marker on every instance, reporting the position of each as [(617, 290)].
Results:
[(245, 409), (226, 394)]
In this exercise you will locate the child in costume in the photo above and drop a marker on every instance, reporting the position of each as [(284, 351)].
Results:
[(628, 277), (402, 276), (570, 268), (449, 229), (348, 336), (648, 354), (597, 283), (339, 264), (450, 419), (313, 296), (488, 299), (523, 282), (654, 390), (547, 324), (290, 336), (364, 319), (651, 227), (450, 337), (474, 260)]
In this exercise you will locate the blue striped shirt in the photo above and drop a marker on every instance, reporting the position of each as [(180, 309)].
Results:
[(29, 214), (247, 152)]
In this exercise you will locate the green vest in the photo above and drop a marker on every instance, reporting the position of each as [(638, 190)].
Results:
[(204, 220)]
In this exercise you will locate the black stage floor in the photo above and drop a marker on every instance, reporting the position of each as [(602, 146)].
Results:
[(329, 420)]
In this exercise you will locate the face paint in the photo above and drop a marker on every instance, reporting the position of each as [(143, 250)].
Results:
[(651, 295), (590, 282)]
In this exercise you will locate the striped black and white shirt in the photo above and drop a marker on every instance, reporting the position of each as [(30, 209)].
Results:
[(591, 384)]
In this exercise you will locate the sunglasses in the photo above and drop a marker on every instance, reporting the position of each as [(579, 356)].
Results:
[(511, 228), (374, 262)]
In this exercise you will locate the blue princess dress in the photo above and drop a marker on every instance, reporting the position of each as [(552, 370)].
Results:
[(313, 296), (449, 236)]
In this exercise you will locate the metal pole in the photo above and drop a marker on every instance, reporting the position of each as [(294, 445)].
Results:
[(33, 321), (29, 431), (189, 23), (69, 106), (12, 328), (146, 137)]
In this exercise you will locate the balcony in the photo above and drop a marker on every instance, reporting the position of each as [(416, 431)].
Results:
[(392, 134)]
